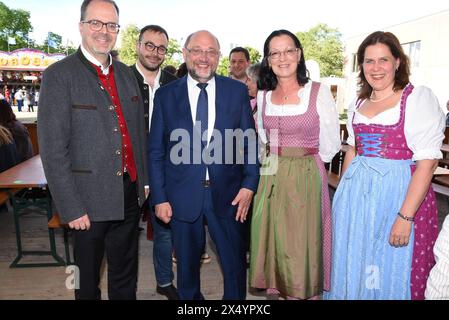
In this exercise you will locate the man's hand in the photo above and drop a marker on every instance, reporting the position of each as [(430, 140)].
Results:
[(82, 223), (243, 199), (164, 212)]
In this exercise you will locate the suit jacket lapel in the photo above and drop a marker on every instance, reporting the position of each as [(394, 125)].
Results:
[(220, 99), (183, 106)]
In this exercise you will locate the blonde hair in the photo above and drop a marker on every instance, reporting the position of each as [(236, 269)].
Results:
[(5, 136)]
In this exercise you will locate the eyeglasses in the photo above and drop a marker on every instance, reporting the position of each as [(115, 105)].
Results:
[(150, 46), (97, 25), (290, 53), (210, 53)]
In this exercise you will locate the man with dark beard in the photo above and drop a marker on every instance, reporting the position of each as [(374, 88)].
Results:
[(151, 50)]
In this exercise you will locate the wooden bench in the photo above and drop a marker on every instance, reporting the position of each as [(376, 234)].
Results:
[(440, 184), (55, 223), (4, 195)]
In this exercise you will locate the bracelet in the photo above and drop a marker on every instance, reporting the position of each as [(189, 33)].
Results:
[(405, 217)]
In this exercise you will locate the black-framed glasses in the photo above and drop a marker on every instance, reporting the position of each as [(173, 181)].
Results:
[(150, 46), (97, 25), (210, 53), (275, 55)]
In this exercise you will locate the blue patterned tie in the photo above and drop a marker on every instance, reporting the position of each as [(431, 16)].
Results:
[(201, 110)]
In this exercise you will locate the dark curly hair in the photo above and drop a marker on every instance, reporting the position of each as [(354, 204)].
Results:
[(267, 79), (7, 116)]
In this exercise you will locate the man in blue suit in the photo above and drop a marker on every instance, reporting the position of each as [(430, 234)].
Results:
[(203, 166)]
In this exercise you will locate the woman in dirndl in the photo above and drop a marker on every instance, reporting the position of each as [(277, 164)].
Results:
[(384, 211), (291, 222)]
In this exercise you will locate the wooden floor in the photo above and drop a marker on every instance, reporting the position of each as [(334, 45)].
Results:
[(50, 282)]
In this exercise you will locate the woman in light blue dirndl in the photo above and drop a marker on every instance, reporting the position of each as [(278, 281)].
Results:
[(384, 211)]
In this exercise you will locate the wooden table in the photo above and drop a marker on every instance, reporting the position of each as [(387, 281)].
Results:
[(29, 175)]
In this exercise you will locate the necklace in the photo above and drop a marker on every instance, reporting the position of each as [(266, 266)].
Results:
[(286, 95), (381, 99)]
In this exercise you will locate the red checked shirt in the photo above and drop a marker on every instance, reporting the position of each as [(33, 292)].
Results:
[(108, 82)]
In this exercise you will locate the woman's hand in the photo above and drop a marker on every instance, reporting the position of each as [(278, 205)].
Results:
[(400, 232)]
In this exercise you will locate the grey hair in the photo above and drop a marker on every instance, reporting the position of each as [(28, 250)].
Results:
[(191, 35), (253, 71)]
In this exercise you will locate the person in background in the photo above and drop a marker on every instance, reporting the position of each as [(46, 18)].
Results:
[(36, 96), (182, 70), (291, 222), (19, 131), (8, 155), (92, 145), (26, 99), (170, 69), (438, 282), (18, 96), (253, 77), (238, 62), (384, 209), (115, 55), (447, 114), (31, 99), (8, 152), (7, 94), (151, 49)]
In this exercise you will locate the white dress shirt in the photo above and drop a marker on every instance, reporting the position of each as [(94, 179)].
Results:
[(194, 92), (438, 281), (151, 92), (424, 123), (94, 61), (329, 137)]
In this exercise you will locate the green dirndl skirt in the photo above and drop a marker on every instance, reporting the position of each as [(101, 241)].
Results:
[(286, 230)]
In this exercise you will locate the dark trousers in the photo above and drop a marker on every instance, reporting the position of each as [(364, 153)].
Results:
[(119, 239), (189, 240)]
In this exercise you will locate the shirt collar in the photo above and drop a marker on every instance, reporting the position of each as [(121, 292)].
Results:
[(95, 62), (192, 82), (156, 80)]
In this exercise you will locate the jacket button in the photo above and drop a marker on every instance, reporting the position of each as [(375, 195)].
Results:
[(115, 129), (111, 108), (119, 173), (118, 152), (146, 101)]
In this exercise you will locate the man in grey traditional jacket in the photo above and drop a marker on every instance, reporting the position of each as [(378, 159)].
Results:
[(92, 142)]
